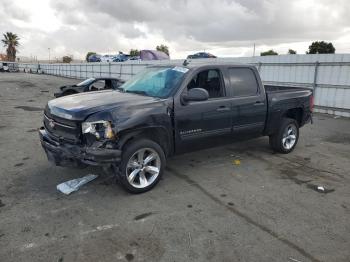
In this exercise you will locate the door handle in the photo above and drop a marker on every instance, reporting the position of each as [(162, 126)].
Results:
[(223, 108), (259, 103)]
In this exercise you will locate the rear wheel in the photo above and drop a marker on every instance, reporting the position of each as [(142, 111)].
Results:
[(142, 166), (286, 138)]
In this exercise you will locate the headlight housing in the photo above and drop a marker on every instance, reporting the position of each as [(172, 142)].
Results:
[(100, 129)]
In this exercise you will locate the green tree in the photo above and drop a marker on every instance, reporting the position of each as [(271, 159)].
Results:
[(89, 54), (270, 52), (321, 47), (292, 52), (67, 59), (134, 52), (11, 41), (163, 48)]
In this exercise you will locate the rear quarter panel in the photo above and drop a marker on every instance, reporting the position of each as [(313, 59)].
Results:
[(280, 102)]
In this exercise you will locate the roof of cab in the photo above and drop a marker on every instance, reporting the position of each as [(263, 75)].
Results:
[(202, 64), (106, 77)]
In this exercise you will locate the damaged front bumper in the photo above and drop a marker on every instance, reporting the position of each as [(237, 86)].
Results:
[(65, 154)]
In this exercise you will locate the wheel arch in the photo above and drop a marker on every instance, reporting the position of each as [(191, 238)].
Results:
[(296, 114), (156, 134)]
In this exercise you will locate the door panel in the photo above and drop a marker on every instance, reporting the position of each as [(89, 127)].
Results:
[(248, 101), (251, 113), (201, 123)]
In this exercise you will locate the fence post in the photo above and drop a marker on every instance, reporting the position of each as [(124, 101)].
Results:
[(259, 66), (315, 76), (109, 69)]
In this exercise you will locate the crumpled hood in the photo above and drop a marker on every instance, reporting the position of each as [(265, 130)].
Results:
[(80, 106)]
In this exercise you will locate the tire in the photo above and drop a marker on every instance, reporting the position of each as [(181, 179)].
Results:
[(131, 162), (286, 137)]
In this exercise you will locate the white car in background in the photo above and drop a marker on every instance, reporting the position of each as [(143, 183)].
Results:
[(107, 58), (4, 67)]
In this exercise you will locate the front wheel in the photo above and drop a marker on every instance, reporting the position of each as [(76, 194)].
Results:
[(142, 165), (286, 137)]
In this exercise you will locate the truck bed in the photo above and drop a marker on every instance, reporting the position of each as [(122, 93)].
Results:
[(278, 88), (281, 98)]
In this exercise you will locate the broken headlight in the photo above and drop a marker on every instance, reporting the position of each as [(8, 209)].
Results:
[(100, 129)]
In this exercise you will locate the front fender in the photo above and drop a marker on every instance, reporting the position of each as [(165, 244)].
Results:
[(158, 134)]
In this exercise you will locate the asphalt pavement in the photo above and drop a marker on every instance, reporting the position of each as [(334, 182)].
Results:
[(238, 202)]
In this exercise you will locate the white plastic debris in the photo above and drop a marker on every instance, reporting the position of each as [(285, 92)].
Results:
[(320, 188), (73, 185), (295, 260)]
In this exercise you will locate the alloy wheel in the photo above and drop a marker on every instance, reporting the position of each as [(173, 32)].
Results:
[(289, 137), (143, 167)]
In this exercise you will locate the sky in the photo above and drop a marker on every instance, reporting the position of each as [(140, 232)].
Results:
[(225, 28)]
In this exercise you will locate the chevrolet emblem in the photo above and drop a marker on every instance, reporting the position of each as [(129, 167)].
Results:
[(52, 124)]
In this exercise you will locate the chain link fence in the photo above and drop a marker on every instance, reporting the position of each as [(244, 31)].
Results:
[(328, 75)]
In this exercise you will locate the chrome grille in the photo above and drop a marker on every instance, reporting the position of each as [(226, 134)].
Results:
[(60, 129)]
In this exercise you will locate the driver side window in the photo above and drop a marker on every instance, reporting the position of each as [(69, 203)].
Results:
[(209, 80), (98, 85)]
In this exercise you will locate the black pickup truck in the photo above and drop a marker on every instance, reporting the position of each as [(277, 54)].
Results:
[(167, 110)]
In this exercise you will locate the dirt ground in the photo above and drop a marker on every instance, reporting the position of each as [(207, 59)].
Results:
[(208, 206)]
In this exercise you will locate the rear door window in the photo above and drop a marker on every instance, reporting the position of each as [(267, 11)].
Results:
[(243, 82)]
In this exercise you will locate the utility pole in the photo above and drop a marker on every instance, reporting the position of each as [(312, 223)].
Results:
[(254, 50), (49, 54)]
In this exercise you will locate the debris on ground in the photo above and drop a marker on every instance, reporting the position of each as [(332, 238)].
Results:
[(1, 203), (236, 162), (294, 260), (30, 108), (144, 215), (320, 189), (73, 185)]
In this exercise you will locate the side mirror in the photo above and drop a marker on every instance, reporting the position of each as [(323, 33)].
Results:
[(195, 94)]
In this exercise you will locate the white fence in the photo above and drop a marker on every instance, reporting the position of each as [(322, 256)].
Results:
[(327, 74)]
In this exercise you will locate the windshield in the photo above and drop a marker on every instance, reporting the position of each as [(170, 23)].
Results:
[(155, 81), (86, 82)]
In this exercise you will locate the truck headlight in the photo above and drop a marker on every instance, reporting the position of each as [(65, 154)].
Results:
[(100, 129)]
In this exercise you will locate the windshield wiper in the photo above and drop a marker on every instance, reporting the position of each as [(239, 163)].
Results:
[(139, 92)]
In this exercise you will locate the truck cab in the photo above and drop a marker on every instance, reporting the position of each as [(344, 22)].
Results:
[(236, 104)]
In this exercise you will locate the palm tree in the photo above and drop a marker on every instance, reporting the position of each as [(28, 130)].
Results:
[(10, 42)]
